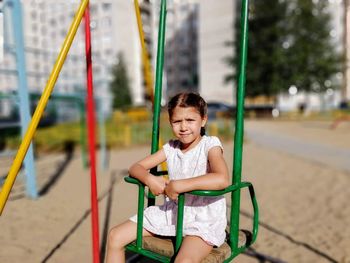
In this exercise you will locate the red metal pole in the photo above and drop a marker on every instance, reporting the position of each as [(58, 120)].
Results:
[(91, 135)]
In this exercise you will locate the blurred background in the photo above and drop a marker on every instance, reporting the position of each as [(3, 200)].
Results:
[(298, 55), (296, 107)]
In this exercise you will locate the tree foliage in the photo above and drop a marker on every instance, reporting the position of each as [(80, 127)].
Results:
[(120, 85), (312, 57), (289, 44)]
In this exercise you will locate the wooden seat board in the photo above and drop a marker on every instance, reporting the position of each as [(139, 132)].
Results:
[(164, 246)]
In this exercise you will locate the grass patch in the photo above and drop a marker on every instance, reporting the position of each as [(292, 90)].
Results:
[(119, 134)]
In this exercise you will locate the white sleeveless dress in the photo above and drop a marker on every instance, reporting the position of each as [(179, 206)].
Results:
[(203, 216)]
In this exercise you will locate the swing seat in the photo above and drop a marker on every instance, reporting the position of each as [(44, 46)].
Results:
[(162, 249), (165, 247)]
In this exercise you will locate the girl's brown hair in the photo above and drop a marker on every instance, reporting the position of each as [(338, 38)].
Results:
[(188, 99)]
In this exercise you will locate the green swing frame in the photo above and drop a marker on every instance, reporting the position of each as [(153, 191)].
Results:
[(234, 188)]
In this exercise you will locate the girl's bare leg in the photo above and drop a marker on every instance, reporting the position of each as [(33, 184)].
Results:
[(189, 245), (118, 237)]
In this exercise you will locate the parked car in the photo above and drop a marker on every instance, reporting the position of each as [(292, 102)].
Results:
[(219, 109), (344, 105)]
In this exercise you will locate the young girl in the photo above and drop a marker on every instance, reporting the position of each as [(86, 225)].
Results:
[(195, 162)]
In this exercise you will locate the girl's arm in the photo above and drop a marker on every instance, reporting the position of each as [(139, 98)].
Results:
[(140, 171), (217, 179)]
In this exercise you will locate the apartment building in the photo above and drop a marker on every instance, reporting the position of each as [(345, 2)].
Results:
[(215, 29), (196, 33), (113, 30), (181, 52)]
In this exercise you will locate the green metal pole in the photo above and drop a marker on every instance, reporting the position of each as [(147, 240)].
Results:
[(140, 207), (158, 88), (180, 221), (79, 101), (239, 129)]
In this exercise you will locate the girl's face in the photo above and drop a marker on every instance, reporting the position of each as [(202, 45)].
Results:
[(186, 124)]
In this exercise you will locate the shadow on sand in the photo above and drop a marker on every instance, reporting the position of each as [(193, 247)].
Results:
[(109, 194), (19, 191), (69, 151)]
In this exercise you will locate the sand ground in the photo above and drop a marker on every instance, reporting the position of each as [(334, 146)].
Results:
[(304, 211)]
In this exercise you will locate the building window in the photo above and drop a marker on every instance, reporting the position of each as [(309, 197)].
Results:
[(93, 9), (106, 6), (34, 14), (52, 22), (34, 27)]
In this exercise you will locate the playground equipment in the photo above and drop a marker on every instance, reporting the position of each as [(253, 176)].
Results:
[(234, 245), (147, 72), (147, 68), (16, 15), (13, 22), (5, 191), (77, 101), (235, 249)]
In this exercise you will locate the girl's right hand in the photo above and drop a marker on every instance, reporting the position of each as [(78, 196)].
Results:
[(156, 184)]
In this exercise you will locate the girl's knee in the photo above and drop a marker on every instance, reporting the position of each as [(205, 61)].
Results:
[(121, 235), (115, 238)]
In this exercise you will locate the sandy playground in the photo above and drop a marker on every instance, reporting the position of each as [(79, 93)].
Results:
[(304, 211)]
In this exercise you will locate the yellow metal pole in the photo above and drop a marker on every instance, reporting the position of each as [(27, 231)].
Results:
[(16, 165), (145, 55), (146, 63)]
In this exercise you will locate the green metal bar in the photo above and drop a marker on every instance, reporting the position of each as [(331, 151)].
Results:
[(231, 188), (256, 213), (181, 202), (132, 180), (81, 107), (238, 139), (59, 96), (159, 77), (80, 102), (180, 220), (140, 207), (158, 89)]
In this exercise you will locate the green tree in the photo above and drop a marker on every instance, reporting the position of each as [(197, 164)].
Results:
[(120, 86), (289, 44), (311, 57)]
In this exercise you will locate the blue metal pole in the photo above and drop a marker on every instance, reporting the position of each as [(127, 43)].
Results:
[(17, 23)]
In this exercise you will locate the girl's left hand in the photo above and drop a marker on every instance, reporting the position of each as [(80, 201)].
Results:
[(172, 189)]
